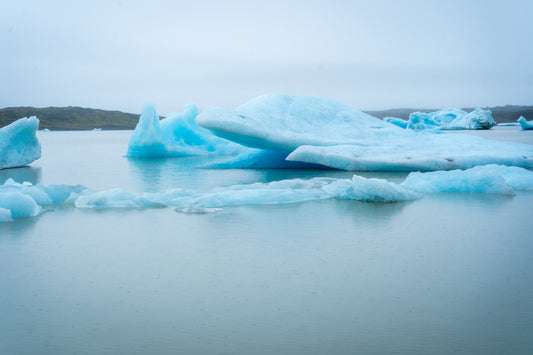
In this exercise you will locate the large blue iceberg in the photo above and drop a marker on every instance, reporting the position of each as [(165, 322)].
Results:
[(177, 135), (327, 133), (286, 122), (19, 145)]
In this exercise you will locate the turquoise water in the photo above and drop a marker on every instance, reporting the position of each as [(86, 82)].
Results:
[(449, 273)]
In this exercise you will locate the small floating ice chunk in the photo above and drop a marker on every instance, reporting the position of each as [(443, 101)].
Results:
[(494, 179), (175, 136), (19, 145), (526, 125), (370, 190), (19, 205), (27, 200)]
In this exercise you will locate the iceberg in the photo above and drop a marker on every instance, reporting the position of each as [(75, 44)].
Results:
[(327, 133), (526, 125), (494, 179), (27, 200), (370, 190), (177, 135), (477, 119), (276, 192), (451, 118), (286, 122), (19, 145)]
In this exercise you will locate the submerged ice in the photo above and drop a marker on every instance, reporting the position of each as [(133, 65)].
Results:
[(27, 200), (175, 136), (327, 133), (19, 145)]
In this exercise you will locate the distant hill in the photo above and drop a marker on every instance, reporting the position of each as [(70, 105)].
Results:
[(71, 118), (79, 118), (501, 114)]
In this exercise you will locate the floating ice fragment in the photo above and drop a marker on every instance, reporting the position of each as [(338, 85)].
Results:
[(526, 125), (19, 204), (451, 118), (370, 190), (27, 200), (494, 179), (19, 145)]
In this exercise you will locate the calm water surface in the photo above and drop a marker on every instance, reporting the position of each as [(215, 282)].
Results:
[(446, 274)]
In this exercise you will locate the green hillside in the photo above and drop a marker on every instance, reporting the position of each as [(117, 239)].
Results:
[(70, 118)]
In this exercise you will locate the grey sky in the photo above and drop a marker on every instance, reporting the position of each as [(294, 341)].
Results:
[(368, 54)]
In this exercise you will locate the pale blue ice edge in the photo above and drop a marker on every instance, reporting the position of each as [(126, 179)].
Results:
[(27, 200)]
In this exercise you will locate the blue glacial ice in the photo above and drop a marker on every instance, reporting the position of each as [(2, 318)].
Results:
[(495, 179), (327, 133), (400, 122), (262, 159), (370, 190), (425, 152), (285, 122), (19, 145), (526, 125), (447, 119), (177, 135), (477, 119), (27, 200)]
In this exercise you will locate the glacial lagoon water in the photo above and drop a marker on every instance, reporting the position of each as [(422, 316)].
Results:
[(450, 273)]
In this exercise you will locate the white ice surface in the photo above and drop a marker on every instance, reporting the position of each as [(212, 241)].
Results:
[(425, 152), (19, 145), (285, 122)]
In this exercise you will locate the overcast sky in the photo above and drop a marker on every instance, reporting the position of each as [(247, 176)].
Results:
[(367, 54)]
